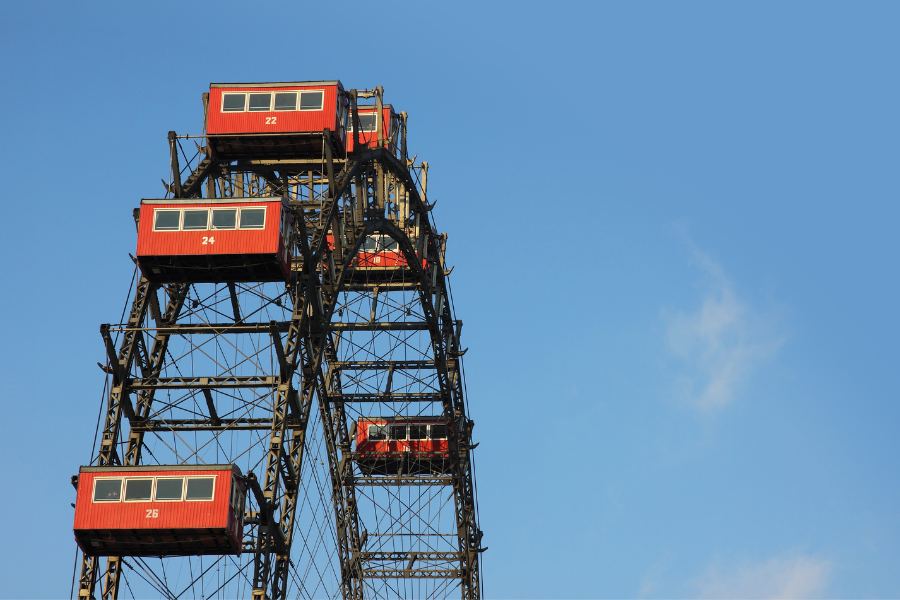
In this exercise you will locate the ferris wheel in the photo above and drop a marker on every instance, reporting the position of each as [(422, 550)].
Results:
[(285, 405)]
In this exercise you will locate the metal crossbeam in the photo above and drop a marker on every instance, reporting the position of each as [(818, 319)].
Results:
[(416, 555), (390, 397), (221, 382), (399, 365), (214, 328), (259, 424), (412, 573), (401, 480), (380, 326)]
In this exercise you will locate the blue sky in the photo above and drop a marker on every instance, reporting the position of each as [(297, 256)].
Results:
[(674, 227)]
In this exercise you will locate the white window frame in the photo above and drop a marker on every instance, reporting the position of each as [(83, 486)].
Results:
[(271, 102), (360, 114), (300, 100), (180, 218), (183, 488), (208, 219), (241, 209), (381, 245), (376, 238), (393, 439), (369, 432), (296, 101), (121, 490), (212, 227), (427, 432), (152, 488), (189, 477), (123, 480), (246, 102), (430, 437), (209, 225)]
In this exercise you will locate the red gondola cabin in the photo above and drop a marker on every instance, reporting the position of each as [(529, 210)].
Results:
[(212, 240), (379, 253), (368, 132), (258, 120), (408, 445), (160, 510)]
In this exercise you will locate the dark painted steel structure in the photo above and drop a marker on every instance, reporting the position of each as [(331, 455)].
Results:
[(274, 376)]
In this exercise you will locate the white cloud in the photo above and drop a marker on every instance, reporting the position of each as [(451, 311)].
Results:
[(720, 342), (796, 576)]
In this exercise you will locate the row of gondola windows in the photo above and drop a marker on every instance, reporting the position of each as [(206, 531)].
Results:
[(150, 489), (380, 243), (174, 219), (268, 101), (407, 432)]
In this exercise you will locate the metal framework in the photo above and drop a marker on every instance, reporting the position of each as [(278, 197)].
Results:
[(274, 376)]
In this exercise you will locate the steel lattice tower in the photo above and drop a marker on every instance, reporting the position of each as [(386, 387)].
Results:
[(274, 376)]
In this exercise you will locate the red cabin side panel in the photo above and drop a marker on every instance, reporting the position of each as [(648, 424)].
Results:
[(379, 447), (198, 242), (160, 527), (362, 432), (219, 122), (364, 446), (212, 514), (385, 259), (380, 260)]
